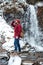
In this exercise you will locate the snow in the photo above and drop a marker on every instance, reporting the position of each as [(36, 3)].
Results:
[(5, 29), (9, 45), (40, 4), (39, 48), (14, 60), (41, 63), (21, 1), (27, 63)]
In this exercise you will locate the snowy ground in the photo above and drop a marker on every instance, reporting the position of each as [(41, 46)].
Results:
[(14, 60)]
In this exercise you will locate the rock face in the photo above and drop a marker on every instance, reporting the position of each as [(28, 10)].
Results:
[(32, 1), (40, 16), (36, 63)]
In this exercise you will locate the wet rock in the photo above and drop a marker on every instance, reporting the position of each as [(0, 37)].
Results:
[(14, 1), (3, 54), (32, 49), (3, 61), (2, 39), (32, 1), (24, 6), (40, 16), (36, 63)]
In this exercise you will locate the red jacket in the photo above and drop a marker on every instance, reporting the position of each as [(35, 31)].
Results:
[(17, 30)]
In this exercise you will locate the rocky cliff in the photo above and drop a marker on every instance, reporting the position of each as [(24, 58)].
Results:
[(40, 16)]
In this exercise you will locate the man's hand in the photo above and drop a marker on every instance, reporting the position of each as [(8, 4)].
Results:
[(16, 37), (13, 24)]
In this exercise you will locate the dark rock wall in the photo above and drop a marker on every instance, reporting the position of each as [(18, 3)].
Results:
[(32, 1), (40, 16)]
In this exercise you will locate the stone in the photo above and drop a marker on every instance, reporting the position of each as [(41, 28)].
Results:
[(36, 63), (40, 16)]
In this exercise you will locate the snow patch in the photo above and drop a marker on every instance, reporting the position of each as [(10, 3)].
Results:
[(40, 4), (14, 60)]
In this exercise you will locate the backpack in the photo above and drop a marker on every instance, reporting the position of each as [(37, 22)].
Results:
[(22, 33)]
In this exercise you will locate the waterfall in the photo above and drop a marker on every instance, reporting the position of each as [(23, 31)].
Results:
[(34, 29), (33, 33)]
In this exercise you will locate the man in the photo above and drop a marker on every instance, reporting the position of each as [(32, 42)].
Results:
[(17, 30)]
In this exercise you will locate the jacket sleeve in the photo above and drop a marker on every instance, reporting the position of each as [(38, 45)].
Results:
[(12, 24)]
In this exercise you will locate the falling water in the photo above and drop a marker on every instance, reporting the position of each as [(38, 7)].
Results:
[(34, 29), (32, 35)]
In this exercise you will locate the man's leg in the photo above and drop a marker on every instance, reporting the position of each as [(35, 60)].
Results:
[(18, 45), (15, 44)]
